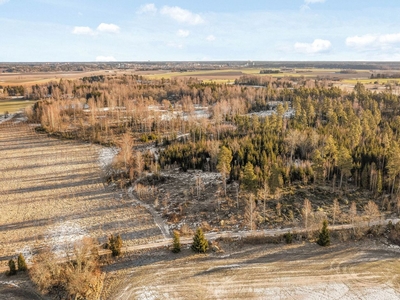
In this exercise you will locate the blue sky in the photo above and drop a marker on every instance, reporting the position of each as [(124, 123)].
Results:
[(126, 30)]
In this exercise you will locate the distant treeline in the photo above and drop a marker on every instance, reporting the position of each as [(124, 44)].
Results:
[(383, 75), (270, 71)]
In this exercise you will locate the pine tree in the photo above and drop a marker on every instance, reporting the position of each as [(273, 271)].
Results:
[(249, 179), (21, 263), (115, 245), (176, 244), (13, 269), (200, 244), (224, 164), (324, 238)]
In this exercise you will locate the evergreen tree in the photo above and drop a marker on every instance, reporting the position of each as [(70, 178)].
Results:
[(249, 178), (21, 263), (13, 269), (224, 164), (324, 237), (288, 237), (176, 244), (200, 244), (115, 245), (345, 163)]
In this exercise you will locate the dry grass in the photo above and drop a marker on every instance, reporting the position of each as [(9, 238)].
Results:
[(299, 271), (14, 105), (51, 192)]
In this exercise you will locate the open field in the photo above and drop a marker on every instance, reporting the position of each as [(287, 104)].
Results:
[(364, 270), (218, 76), (14, 105), (41, 78), (52, 193)]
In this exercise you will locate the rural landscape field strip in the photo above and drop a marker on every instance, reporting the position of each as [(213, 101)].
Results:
[(52, 194), (301, 271)]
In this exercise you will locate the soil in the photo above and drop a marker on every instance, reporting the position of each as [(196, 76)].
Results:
[(52, 194), (356, 270)]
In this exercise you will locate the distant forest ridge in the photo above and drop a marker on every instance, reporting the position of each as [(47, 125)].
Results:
[(10, 67)]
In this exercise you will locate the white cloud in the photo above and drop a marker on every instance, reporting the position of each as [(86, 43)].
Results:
[(83, 30), (312, 48), (182, 15), (147, 8), (360, 41), (110, 28), (105, 58), (211, 38), (183, 33), (3, 1), (373, 40)]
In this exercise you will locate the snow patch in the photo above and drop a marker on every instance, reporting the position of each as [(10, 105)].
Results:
[(26, 252), (4, 119), (106, 157), (63, 236)]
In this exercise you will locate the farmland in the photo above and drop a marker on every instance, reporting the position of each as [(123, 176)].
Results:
[(52, 194), (363, 270)]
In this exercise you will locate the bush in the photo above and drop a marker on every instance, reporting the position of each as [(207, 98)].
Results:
[(21, 263), (115, 245), (13, 269), (324, 238), (176, 244), (288, 237), (200, 244)]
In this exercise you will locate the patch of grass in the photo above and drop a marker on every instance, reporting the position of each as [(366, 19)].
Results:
[(14, 105)]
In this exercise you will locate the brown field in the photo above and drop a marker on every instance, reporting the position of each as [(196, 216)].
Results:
[(363, 270), (52, 193), (219, 76), (41, 78)]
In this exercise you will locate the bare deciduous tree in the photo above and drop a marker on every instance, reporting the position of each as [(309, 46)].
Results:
[(307, 213), (335, 211), (250, 211), (371, 212)]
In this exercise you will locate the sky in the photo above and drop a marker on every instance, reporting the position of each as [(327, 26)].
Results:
[(256, 30)]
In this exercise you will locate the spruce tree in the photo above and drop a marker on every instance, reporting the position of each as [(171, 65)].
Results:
[(115, 245), (21, 263), (200, 244), (13, 269), (324, 238), (176, 244)]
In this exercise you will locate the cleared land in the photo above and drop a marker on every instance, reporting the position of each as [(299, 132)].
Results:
[(365, 270), (52, 193)]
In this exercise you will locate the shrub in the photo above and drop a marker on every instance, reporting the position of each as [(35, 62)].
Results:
[(115, 245), (176, 244), (200, 244), (21, 263), (288, 237), (324, 238), (13, 269)]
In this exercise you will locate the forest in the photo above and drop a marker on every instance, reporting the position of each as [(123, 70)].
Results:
[(262, 134)]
